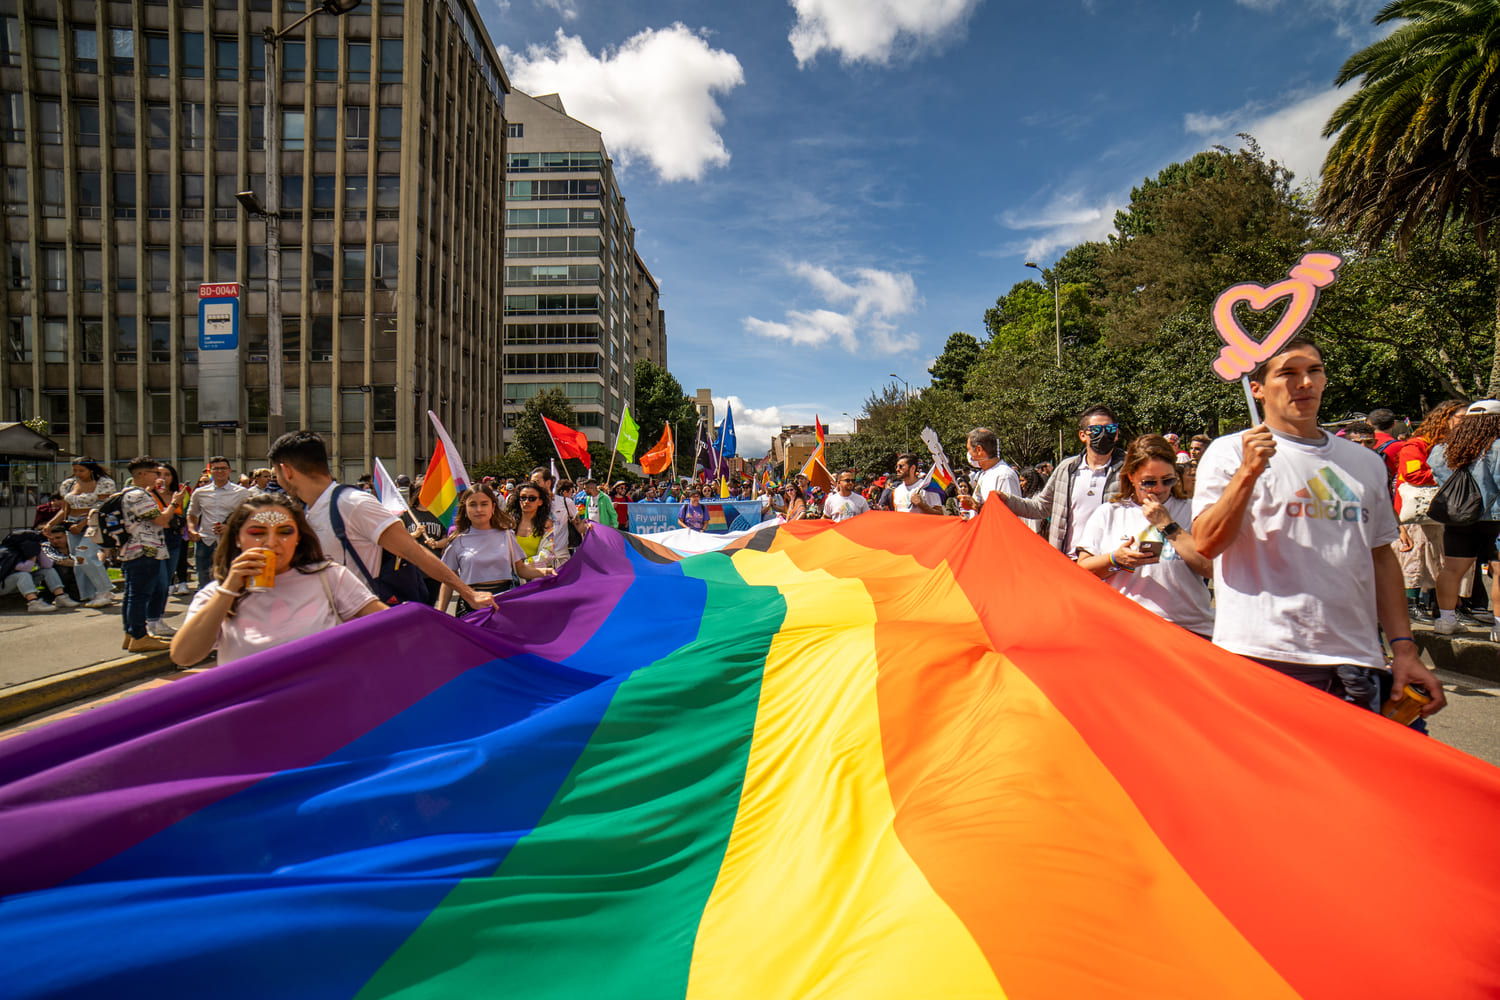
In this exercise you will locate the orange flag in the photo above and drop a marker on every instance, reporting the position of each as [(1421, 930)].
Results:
[(816, 469), (659, 459)]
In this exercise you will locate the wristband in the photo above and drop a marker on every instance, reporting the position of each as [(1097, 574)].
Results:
[(231, 593), (1402, 638)]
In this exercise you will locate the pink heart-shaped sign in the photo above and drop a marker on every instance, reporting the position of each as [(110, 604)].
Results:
[(1242, 352)]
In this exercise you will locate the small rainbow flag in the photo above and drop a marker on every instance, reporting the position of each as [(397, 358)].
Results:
[(876, 760), (942, 477), (446, 476)]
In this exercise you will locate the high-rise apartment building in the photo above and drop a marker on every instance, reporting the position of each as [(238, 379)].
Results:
[(570, 268), (126, 131), (650, 321)]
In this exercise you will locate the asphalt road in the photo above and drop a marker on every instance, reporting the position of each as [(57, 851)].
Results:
[(1471, 722)]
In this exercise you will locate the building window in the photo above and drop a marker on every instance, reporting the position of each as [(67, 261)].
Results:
[(383, 403), (325, 128), (192, 267), (320, 344), (192, 196), (15, 189), (20, 346), (320, 409), (91, 345), (352, 409), (49, 122), (324, 191), (351, 339), (161, 339), (44, 49), (122, 51), (357, 127), (159, 413), (54, 341), (51, 183), (55, 411), (293, 62), (194, 128), (192, 55), (125, 279), (125, 411), (227, 128), (383, 338), (10, 41), (189, 354), (226, 263), (514, 130), (158, 270), (326, 59), (124, 194), (54, 269), (293, 129), (159, 126), (291, 194), (359, 62), (158, 55), (356, 195), (322, 266), (225, 205), (20, 264), (87, 117), (389, 136), (158, 199), (124, 123), (387, 196), (227, 58), (291, 347), (85, 50), (88, 194), (354, 269), (390, 60), (91, 262), (125, 338), (291, 269), (13, 117)]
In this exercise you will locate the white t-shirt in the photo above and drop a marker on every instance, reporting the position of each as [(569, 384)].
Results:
[(296, 607), (1168, 588), (902, 494), (213, 504), (1297, 585), (560, 517), (483, 555), (841, 508), (364, 520), (1088, 496), (998, 478)]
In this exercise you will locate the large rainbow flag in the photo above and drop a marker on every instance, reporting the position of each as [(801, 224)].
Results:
[(445, 479), (891, 757)]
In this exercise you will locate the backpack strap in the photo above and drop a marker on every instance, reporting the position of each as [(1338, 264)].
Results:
[(336, 520)]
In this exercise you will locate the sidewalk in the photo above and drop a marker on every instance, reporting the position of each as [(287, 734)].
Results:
[(49, 659)]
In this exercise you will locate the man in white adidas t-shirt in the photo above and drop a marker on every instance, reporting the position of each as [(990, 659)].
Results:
[(1299, 525), (845, 503)]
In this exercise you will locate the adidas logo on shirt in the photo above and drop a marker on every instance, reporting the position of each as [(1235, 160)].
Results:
[(1327, 498)]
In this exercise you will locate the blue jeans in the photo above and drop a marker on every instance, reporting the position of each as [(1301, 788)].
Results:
[(203, 561), (1347, 682), (21, 582), (168, 566), (93, 578), (143, 578)]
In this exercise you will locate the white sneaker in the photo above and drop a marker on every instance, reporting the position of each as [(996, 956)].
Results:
[(155, 626), (1446, 626), (38, 607), (64, 601), (102, 601)]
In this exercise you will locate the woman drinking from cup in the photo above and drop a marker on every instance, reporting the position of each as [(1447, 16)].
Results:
[(484, 551), (1138, 543), (271, 585)]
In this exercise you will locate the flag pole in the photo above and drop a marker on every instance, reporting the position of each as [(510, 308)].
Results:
[(613, 452), (555, 448)]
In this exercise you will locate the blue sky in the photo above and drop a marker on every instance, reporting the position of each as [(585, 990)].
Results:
[(826, 189)]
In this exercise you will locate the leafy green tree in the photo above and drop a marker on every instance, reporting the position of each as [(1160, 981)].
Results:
[(1232, 217), (516, 463), (1418, 144), (659, 400), (952, 366)]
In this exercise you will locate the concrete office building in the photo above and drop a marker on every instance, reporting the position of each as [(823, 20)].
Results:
[(570, 269), (126, 130)]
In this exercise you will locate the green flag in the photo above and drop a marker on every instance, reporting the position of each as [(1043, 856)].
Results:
[(629, 437)]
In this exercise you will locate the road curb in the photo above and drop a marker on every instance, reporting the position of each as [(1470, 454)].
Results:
[(1463, 654), (48, 693)]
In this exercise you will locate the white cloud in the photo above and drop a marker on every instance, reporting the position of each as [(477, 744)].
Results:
[(754, 428), (1290, 131), (568, 9), (873, 30), (652, 97), (872, 302), (1069, 218), (1351, 18)]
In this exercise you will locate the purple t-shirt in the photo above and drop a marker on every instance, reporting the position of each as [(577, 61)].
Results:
[(694, 517)]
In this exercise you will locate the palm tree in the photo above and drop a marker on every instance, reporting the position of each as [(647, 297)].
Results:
[(1418, 145)]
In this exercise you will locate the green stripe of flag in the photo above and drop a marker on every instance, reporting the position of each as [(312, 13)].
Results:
[(604, 897)]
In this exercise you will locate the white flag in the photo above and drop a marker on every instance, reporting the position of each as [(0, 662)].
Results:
[(388, 493)]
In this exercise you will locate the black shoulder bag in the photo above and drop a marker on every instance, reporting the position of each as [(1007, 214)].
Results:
[(1458, 502)]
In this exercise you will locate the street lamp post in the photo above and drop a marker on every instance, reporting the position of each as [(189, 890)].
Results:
[(1057, 331), (905, 418), (271, 211)]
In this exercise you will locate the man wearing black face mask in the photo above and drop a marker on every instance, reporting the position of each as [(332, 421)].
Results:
[(1080, 483)]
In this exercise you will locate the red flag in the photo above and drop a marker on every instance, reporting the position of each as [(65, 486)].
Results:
[(568, 442)]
